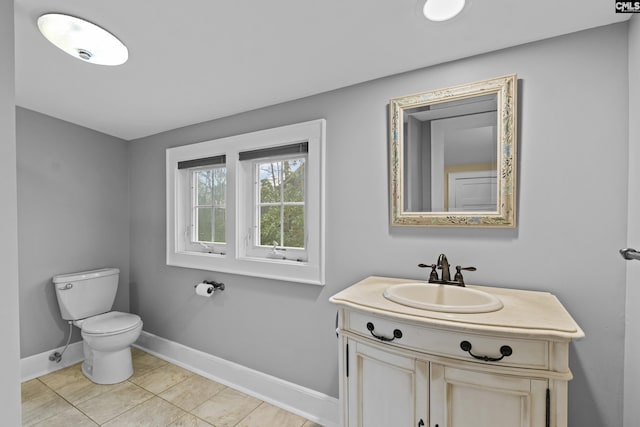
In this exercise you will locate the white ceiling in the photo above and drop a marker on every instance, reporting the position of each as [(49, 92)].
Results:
[(197, 60)]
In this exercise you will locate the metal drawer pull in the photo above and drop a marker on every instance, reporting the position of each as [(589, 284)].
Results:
[(505, 351), (397, 333)]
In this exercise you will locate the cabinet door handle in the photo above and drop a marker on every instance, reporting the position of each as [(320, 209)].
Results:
[(420, 423), (505, 351), (397, 333)]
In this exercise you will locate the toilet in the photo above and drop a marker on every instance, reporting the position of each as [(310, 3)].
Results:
[(85, 298)]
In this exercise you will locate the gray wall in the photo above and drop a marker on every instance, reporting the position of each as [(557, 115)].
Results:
[(572, 219), (9, 357), (632, 310), (73, 215)]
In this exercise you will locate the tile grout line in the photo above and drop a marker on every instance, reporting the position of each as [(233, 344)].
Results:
[(135, 406), (128, 380), (160, 397), (66, 400), (191, 411), (262, 402), (52, 415), (249, 414)]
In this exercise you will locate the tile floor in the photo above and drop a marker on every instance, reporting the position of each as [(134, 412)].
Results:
[(158, 394)]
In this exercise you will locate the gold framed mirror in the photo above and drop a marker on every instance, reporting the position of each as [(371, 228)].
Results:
[(453, 156)]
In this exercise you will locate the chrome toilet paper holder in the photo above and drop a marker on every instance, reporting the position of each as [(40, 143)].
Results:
[(217, 286)]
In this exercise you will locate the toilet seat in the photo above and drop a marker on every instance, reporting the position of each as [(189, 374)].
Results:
[(111, 323)]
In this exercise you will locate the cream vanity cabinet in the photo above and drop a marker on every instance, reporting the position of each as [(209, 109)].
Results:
[(386, 388), (401, 366)]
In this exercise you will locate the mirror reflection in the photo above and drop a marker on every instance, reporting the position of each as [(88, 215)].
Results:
[(452, 155)]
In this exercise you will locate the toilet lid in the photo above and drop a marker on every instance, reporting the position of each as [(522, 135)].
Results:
[(113, 321)]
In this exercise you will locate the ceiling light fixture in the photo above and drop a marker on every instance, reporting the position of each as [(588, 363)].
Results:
[(442, 10), (82, 39)]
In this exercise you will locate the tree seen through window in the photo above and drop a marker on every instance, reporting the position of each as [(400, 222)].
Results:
[(281, 202), (210, 208)]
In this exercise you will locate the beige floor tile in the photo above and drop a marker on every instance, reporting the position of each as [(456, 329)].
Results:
[(41, 406), (152, 413), (136, 352), (71, 384), (267, 415), (127, 403), (226, 408), (192, 392), (85, 391), (109, 405), (160, 379), (145, 362), (189, 420), (32, 389), (64, 377), (68, 417)]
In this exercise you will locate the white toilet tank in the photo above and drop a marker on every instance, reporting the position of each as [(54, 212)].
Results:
[(86, 293)]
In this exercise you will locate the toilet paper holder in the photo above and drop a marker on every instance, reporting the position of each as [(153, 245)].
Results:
[(217, 286)]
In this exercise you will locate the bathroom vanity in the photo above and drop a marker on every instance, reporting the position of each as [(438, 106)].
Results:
[(460, 362)]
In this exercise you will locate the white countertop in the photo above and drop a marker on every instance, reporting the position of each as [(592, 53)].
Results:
[(525, 313)]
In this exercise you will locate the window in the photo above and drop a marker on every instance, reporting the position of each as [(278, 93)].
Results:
[(250, 204), (206, 184), (280, 203), (208, 192), (278, 213)]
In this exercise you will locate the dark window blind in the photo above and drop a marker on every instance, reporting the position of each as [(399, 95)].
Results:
[(206, 161), (282, 150)]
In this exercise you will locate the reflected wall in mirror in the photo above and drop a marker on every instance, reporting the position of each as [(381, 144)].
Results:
[(453, 155)]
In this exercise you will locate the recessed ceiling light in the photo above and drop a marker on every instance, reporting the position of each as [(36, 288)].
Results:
[(82, 39), (442, 10)]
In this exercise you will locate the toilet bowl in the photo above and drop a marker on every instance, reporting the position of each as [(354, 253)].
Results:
[(85, 299), (106, 343)]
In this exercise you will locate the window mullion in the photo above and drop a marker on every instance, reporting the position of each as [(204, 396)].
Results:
[(281, 173), (256, 206), (212, 221), (194, 208)]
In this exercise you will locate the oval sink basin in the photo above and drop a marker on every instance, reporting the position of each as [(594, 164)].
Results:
[(445, 298)]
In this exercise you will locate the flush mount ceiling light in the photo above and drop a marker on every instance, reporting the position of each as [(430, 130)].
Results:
[(82, 39), (442, 10)]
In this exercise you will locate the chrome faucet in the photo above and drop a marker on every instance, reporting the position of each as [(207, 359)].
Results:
[(445, 277)]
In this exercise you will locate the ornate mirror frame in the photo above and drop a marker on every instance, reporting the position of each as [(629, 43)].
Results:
[(505, 215)]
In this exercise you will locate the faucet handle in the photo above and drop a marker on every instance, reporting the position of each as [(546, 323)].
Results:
[(433, 276), (458, 277)]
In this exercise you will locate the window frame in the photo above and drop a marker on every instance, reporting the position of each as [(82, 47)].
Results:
[(237, 258), (254, 248), (191, 243)]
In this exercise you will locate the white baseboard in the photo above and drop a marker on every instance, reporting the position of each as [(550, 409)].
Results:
[(39, 364), (310, 404)]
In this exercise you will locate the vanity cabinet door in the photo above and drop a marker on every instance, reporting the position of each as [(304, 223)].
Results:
[(385, 389), (465, 398)]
